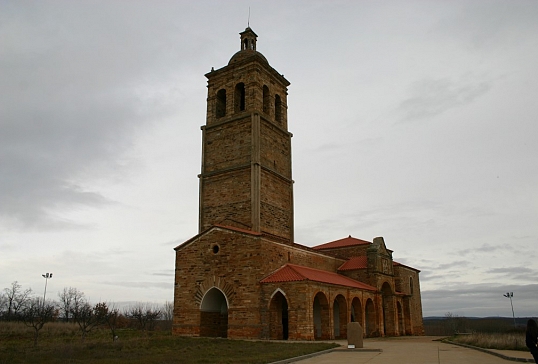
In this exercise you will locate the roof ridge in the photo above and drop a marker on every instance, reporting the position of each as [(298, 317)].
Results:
[(343, 242), (292, 267)]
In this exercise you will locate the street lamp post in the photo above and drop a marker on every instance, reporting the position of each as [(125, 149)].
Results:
[(47, 276), (510, 295)]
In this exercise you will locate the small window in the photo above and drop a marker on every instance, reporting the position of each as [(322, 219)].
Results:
[(221, 103), (215, 249), (278, 108), (240, 97), (411, 285)]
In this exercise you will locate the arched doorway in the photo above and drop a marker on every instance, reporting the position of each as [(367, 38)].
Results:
[(389, 326), (401, 325), (279, 324), (370, 319), (340, 317), (321, 317), (214, 314)]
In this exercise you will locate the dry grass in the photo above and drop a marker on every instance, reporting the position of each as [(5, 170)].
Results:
[(501, 341), (61, 343)]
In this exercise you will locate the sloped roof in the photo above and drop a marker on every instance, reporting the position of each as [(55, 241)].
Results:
[(217, 226), (403, 265), (355, 263), (295, 273), (349, 241)]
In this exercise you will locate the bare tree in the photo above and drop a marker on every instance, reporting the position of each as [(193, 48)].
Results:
[(36, 314), (168, 311), (145, 314), (455, 323), (3, 305), (16, 299), (88, 317), (68, 298), (113, 317)]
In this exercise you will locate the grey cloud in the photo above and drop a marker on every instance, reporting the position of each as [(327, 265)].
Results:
[(164, 273), (480, 300), (435, 96), (479, 27), (142, 285), (489, 248), (484, 248), (71, 104), (173, 243), (512, 270)]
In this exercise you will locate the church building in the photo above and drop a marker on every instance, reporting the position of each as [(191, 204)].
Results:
[(243, 275)]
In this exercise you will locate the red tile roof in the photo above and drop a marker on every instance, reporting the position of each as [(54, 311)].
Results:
[(294, 273), (349, 241), (355, 263)]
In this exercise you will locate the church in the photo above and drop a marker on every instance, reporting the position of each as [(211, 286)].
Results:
[(243, 275)]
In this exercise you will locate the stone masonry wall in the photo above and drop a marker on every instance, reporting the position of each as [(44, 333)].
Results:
[(275, 149), (234, 269), (275, 204), (226, 196), (227, 145)]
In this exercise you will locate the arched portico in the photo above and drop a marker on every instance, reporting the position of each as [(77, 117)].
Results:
[(321, 317), (407, 317), (401, 325), (389, 325), (214, 314), (356, 311), (340, 317), (370, 321), (279, 322)]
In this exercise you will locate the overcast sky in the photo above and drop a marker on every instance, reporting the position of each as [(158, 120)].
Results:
[(413, 121)]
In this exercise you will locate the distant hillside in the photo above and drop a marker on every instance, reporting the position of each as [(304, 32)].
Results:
[(445, 326)]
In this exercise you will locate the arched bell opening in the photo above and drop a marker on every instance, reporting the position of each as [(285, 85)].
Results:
[(266, 99), (239, 97), (220, 107)]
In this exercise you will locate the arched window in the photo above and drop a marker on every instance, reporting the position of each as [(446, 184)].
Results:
[(266, 99), (278, 108), (245, 44), (220, 109), (240, 97)]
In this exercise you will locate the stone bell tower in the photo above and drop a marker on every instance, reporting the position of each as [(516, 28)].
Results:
[(246, 178)]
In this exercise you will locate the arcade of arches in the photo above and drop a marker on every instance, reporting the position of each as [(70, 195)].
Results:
[(328, 315)]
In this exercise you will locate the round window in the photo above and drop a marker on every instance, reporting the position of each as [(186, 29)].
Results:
[(215, 249)]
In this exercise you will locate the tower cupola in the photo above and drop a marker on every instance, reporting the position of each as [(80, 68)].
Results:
[(248, 40)]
